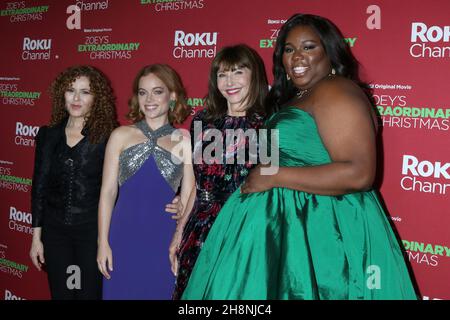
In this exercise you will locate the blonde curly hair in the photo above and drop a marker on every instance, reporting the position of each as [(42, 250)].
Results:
[(102, 119), (172, 81)]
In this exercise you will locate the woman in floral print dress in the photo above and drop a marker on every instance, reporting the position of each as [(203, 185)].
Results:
[(236, 93)]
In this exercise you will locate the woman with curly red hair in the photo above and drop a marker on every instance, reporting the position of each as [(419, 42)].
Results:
[(67, 180)]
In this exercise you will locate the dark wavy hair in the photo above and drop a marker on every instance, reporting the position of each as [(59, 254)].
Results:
[(230, 57), (172, 81), (338, 52), (102, 119)]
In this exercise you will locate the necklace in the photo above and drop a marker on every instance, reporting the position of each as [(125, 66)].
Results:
[(301, 93)]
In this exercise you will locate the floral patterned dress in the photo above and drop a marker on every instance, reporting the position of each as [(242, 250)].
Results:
[(217, 176)]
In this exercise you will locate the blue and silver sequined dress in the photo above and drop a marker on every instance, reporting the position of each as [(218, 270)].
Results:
[(141, 230)]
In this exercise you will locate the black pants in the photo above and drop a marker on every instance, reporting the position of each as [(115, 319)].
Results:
[(71, 261)]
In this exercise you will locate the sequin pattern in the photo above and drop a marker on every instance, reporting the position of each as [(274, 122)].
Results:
[(132, 158)]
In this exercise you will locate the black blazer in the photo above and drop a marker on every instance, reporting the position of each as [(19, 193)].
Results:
[(66, 181)]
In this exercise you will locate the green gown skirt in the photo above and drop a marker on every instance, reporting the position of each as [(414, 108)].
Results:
[(287, 244)]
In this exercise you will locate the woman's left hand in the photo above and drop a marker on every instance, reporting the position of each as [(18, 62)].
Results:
[(258, 182)]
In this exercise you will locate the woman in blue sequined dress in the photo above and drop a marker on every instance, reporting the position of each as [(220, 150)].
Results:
[(141, 163)]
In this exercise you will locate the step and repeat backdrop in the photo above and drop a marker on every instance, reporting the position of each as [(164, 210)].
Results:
[(403, 46)]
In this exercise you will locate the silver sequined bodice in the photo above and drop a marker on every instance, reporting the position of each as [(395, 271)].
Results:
[(132, 158)]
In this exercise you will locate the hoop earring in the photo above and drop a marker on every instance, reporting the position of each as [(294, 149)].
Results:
[(287, 77)]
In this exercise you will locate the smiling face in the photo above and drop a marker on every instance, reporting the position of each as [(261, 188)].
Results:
[(78, 98), (154, 97), (304, 58), (234, 85)]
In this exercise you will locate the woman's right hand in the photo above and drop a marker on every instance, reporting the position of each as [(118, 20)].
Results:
[(104, 259), (173, 251), (176, 207), (37, 253)]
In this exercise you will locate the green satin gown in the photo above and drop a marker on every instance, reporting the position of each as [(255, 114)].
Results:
[(287, 244)]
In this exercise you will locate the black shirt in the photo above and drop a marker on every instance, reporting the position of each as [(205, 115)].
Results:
[(66, 180)]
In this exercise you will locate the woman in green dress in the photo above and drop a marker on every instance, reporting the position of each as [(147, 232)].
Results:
[(315, 229)]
